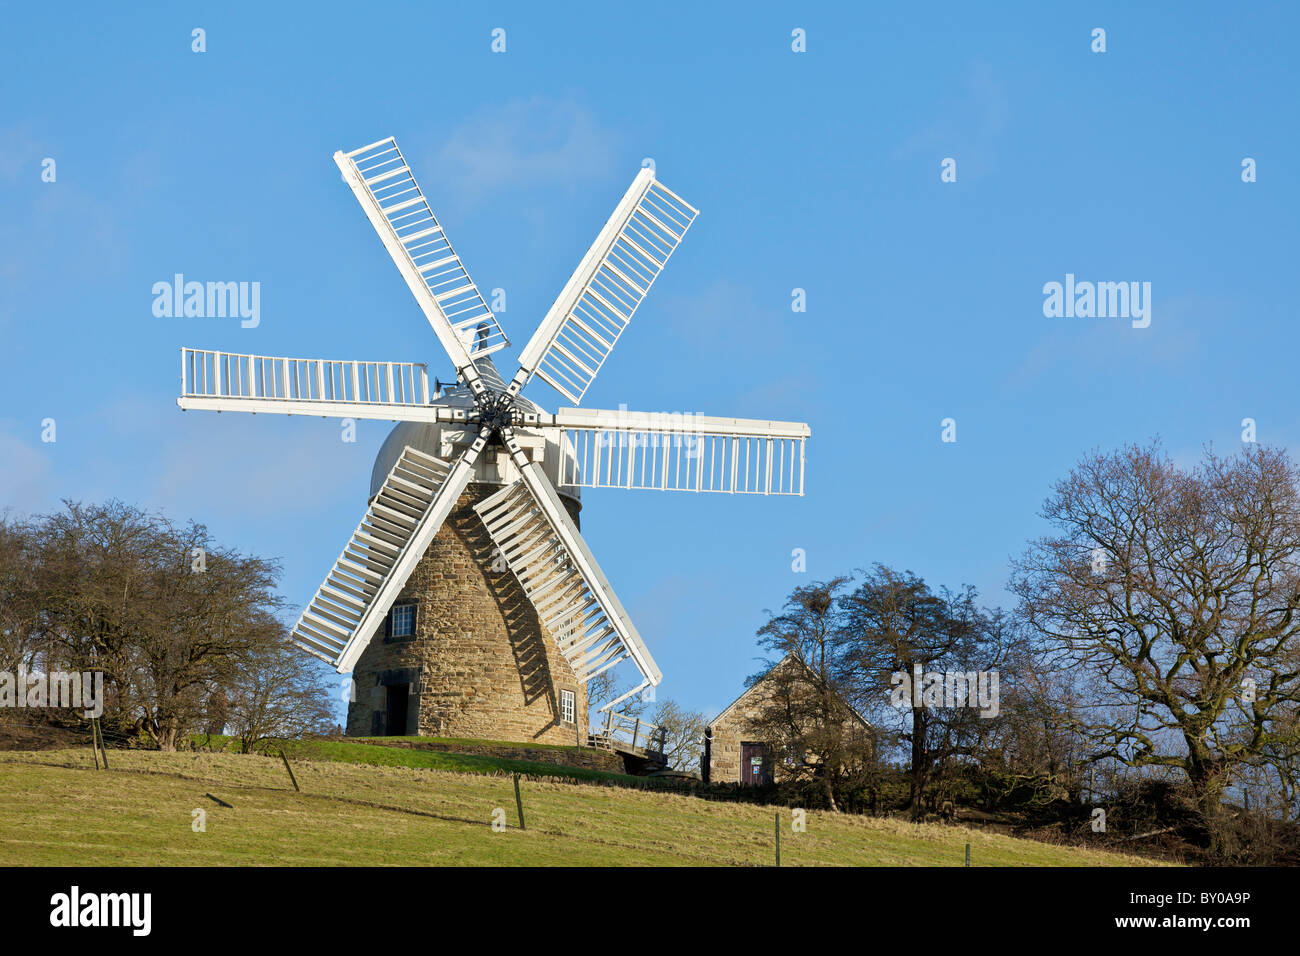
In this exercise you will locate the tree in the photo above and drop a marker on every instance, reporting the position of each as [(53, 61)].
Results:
[(165, 613), (18, 603), (892, 627), (1175, 592), (806, 719), (602, 688), (1032, 750), (606, 687), (275, 693), (683, 732)]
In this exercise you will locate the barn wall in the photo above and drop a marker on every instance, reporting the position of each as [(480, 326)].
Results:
[(734, 726), (481, 665), (729, 730)]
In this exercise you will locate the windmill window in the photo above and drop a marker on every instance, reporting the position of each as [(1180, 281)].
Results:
[(568, 707), (402, 621)]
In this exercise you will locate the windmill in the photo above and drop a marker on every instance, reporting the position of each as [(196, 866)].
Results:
[(528, 524)]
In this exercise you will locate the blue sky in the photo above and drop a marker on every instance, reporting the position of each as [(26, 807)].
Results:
[(817, 170)]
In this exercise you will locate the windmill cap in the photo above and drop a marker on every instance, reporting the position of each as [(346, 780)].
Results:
[(428, 437)]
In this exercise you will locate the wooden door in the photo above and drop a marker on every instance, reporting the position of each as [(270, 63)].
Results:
[(397, 702), (755, 764)]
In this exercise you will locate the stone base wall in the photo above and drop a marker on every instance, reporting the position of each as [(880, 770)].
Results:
[(480, 663)]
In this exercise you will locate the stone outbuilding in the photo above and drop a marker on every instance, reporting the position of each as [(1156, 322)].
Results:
[(733, 749)]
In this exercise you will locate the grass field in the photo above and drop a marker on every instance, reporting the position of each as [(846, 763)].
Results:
[(357, 751), (56, 809)]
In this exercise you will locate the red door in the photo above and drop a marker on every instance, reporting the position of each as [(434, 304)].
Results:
[(755, 764)]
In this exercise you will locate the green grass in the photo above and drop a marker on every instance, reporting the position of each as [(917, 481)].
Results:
[(360, 752), (55, 809), (475, 742)]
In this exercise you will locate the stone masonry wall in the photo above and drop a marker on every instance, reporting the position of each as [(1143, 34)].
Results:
[(734, 726), (729, 731), (480, 664)]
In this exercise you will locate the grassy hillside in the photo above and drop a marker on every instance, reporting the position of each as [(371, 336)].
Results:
[(381, 753), (55, 809)]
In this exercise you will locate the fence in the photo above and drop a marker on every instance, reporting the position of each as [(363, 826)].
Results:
[(628, 731)]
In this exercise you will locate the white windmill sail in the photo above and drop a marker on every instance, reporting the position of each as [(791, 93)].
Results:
[(541, 545), (598, 301), (680, 452), (402, 520), (383, 183), (233, 382)]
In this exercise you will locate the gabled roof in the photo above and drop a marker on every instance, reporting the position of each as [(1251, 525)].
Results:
[(771, 670)]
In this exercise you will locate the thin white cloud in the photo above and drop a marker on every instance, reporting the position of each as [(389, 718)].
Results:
[(47, 225), (724, 315), (25, 472), (968, 130), (258, 466), (19, 153), (1174, 340), (537, 141)]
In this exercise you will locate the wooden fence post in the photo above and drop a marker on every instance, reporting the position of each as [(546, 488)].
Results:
[(778, 837), (519, 804), (968, 854), (290, 769), (103, 749)]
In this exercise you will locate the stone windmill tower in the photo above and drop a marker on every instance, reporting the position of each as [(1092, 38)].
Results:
[(462, 652), (466, 603)]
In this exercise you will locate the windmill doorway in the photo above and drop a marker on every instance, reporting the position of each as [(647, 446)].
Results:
[(398, 701)]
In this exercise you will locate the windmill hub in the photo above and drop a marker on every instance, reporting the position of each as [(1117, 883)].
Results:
[(423, 475), (496, 410)]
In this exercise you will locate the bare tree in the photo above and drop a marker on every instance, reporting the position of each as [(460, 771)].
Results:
[(18, 602), (1032, 749), (806, 719), (167, 614), (275, 693), (1175, 590), (608, 686), (683, 732)]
